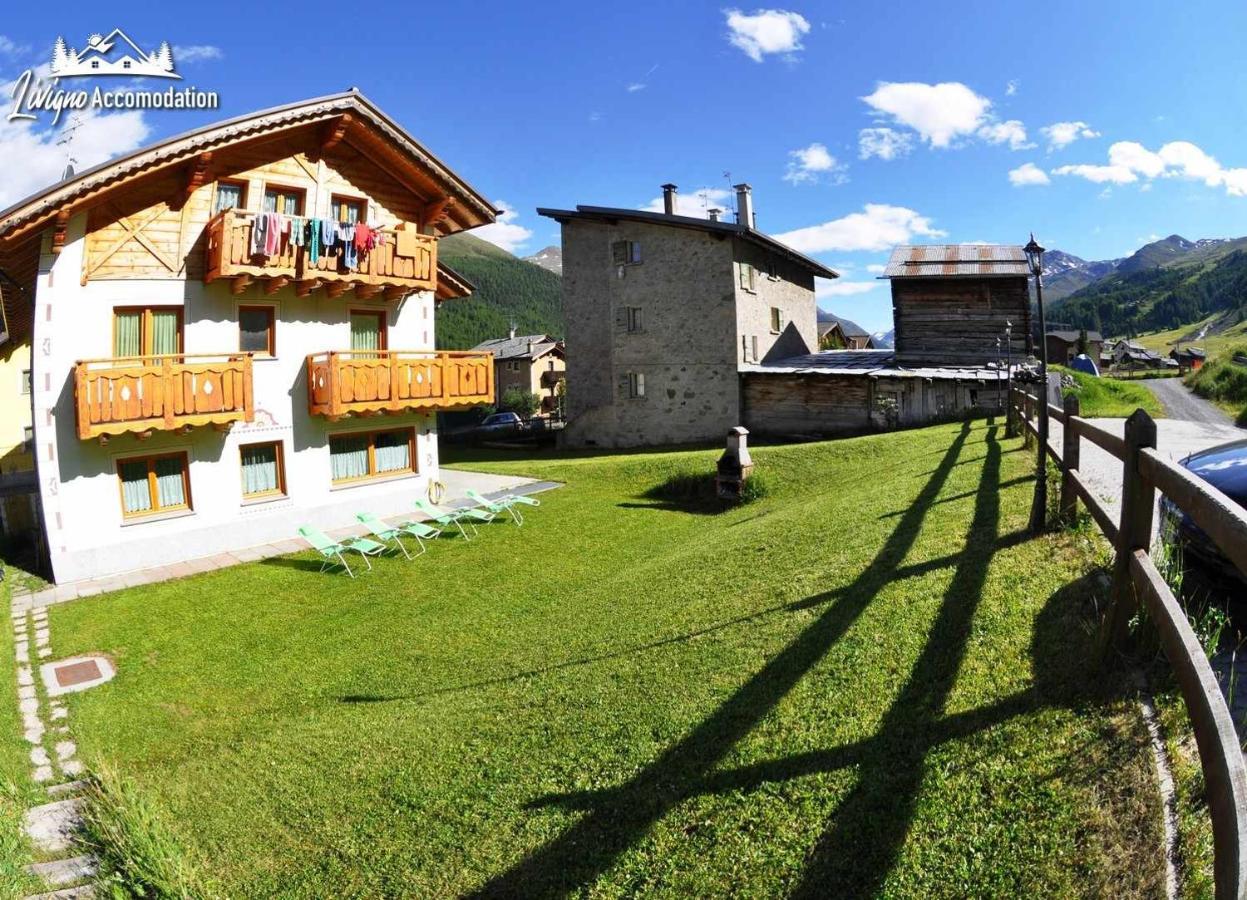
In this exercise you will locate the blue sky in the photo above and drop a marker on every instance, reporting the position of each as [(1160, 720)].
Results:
[(553, 104)]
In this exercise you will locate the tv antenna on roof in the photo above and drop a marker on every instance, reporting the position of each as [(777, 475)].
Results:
[(66, 140)]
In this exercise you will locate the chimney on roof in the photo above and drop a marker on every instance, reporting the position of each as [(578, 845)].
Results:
[(744, 205), (714, 212), (668, 199), (531, 345), (512, 331)]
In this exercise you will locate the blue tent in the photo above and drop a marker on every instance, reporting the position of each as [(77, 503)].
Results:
[(1084, 363)]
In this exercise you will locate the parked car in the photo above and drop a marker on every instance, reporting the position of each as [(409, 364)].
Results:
[(1225, 468), (500, 423)]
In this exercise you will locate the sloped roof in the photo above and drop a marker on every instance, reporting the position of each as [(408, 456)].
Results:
[(957, 261), (1072, 336), (848, 326), (610, 213), (867, 363), (469, 209), (527, 346)]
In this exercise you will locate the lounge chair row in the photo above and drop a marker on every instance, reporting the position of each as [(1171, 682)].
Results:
[(390, 537)]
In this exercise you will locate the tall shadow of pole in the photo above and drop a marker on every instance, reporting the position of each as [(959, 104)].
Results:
[(620, 817)]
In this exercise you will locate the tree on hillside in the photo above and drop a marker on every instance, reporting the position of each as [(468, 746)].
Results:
[(1082, 341)]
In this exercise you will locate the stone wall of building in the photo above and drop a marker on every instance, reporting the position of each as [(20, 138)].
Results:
[(684, 349), (779, 284)]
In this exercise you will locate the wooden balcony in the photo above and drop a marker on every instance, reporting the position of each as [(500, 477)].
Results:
[(162, 393), (368, 382), (380, 271)]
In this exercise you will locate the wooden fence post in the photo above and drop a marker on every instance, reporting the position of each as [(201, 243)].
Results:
[(1138, 500), (1028, 407), (1069, 461), (1011, 413)]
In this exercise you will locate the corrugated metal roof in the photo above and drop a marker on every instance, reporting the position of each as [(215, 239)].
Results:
[(957, 261)]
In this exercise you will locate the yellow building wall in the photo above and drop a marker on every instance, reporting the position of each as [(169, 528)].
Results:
[(14, 408)]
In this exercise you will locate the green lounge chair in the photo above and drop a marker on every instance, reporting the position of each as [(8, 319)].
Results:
[(497, 507), (388, 533), (332, 550), (446, 520)]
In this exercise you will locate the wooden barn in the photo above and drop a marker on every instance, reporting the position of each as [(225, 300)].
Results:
[(950, 303)]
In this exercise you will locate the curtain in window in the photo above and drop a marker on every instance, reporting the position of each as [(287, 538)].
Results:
[(170, 485), (259, 470), (270, 201), (393, 452), (348, 457), (128, 334), (228, 196), (136, 497), (164, 331), (365, 332)]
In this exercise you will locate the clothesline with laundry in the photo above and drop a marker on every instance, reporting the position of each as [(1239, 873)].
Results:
[(270, 229)]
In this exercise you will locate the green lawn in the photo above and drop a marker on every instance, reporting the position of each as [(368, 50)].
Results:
[(1111, 397), (1224, 382), (867, 682)]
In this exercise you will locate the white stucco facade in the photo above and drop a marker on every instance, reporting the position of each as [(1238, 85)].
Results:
[(87, 533)]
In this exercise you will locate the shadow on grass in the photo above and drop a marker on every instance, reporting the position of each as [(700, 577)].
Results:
[(578, 857), (696, 493)]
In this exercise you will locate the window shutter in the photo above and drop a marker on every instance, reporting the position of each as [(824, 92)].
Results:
[(634, 252), (640, 384), (640, 321), (625, 382), (619, 252), (621, 316)]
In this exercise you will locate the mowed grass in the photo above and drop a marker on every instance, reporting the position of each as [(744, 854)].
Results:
[(1111, 397), (870, 681)]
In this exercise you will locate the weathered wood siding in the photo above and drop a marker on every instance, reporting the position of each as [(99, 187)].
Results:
[(791, 404), (956, 321), (152, 233)]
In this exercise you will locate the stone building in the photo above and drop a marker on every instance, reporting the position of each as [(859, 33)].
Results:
[(662, 312)]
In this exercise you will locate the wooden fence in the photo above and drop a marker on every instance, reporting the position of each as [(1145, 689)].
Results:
[(1135, 579)]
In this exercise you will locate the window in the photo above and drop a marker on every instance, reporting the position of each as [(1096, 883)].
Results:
[(95, 64), (777, 320), (636, 385), (26, 381), (635, 320), (747, 276), (147, 330), (626, 253), (347, 209), (154, 484), (772, 269), (257, 330), (749, 347), (753, 346), (229, 195), (125, 64), (287, 201), (355, 457), (262, 472), (368, 329), (28, 439)]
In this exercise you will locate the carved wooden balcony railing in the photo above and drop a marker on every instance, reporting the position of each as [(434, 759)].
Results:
[(367, 382), (380, 271), (162, 393)]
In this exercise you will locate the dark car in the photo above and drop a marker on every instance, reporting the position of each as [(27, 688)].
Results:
[(501, 423), (1225, 468)]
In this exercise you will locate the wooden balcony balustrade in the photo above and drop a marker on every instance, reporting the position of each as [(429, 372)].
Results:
[(381, 270), (162, 393), (368, 382)]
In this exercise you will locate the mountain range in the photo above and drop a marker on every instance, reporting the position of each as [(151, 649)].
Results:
[(549, 258)]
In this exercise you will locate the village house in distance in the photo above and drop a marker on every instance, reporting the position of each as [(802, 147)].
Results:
[(663, 310), (232, 334), (532, 363)]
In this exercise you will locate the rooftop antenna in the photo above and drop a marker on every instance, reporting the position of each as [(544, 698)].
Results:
[(66, 140), (727, 176)]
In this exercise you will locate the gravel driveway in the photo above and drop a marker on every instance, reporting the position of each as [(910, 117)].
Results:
[(1180, 403)]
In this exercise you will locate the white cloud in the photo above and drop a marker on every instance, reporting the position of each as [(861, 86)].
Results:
[(939, 113), (196, 53), (885, 143), (1062, 134), (506, 233), (766, 32), (1011, 132), (1130, 161), (635, 86), (98, 138), (10, 47), (876, 268), (877, 227), (1027, 173), (1011, 87), (811, 163), (696, 203), (839, 288)]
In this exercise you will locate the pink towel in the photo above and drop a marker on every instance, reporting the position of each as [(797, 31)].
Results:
[(272, 236)]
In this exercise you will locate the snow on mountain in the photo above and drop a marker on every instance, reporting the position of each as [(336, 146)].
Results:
[(549, 258)]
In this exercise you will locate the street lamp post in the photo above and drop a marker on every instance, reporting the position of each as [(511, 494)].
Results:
[(999, 362), (1039, 509), (1008, 370)]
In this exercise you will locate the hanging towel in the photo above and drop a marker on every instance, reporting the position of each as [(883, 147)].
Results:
[(365, 237), (313, 240), (259, 225), (297, 231), (350, 256), (272, 234), (328, 232)]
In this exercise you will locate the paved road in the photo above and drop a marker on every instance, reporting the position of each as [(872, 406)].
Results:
[(1180, 403)]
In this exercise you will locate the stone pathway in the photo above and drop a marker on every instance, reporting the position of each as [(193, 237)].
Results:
[(52, 826), (457, 482)]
